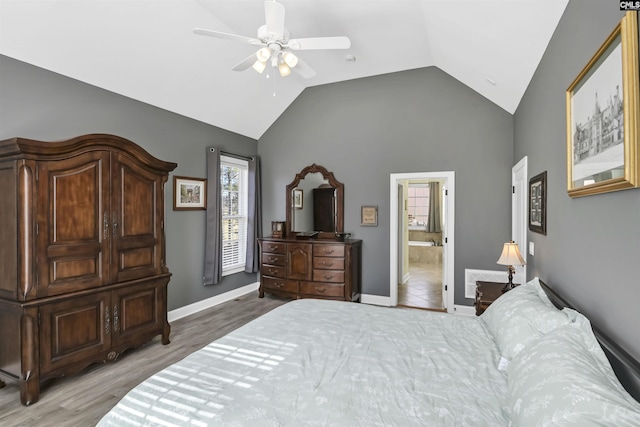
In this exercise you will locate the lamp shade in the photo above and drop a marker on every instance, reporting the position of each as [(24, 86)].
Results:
[(511, 255)]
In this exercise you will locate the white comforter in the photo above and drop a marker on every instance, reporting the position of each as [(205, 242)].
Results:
[(329, 363)]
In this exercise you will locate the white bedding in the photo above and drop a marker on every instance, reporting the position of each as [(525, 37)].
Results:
[(314, 362)]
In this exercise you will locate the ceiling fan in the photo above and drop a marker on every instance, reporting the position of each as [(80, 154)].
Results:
[(277, 45)]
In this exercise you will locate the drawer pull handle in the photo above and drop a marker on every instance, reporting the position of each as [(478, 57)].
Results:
[(328, 264), (272, 271), (273, 248), (321, 290), (278, 285), (272, 259), (328, 251), (328, 276)]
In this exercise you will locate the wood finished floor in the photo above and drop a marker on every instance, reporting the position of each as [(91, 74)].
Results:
[(81, 400), (424, 287)]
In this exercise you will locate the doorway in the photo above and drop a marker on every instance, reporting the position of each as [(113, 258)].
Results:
[(421, 248)]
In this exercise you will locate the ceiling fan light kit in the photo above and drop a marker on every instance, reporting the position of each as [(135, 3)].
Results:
[(276, 44)]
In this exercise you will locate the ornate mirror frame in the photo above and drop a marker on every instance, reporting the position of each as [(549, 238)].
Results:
[(339, 194)]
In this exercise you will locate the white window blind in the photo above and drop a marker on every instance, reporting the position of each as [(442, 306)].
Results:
[(234, 194), (418, 201)]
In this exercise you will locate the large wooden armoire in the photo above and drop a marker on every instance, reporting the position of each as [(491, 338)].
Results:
[(82, 255)]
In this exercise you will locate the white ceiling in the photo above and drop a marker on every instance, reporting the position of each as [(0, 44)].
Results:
[(145, 49)]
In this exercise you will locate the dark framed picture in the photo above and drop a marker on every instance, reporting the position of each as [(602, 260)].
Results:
[(538, 203), (369, 216), (602, 108), (189, 194), (298, 198)]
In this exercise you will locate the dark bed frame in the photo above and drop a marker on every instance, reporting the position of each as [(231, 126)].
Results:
[(627, 368)]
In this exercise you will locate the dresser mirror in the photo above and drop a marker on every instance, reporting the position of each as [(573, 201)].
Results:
[(315, 201)]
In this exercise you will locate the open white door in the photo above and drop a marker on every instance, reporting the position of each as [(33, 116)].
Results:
[(519, 214), (445, 242)]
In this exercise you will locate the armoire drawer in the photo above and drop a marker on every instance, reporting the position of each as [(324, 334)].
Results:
[(275, 247), (274, 259), (274, 270), (280, 284), (328, 250), (328, 276), (322, 289)]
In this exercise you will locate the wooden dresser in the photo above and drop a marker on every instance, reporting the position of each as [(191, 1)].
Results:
[(328, 269), (82, 255)]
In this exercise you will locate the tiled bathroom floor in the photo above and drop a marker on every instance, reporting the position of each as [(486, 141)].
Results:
[(424, 288)]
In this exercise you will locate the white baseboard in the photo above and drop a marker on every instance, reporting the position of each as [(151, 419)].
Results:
[(375, 300), (464, 310), (190, 309)]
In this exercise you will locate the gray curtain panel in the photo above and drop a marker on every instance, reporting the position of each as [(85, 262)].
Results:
[(434, 225), (254, 220), (213, 233)]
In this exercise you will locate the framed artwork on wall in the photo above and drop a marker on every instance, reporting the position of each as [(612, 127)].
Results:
[(602, 117), (538, 203), (189, 194), (297, 198), (369, 216)]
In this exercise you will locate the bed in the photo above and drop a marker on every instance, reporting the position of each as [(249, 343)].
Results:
[(330, 363)]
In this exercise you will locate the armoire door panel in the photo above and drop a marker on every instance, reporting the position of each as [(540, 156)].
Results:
[(72, 241), (136, 201), (299, 261), (138, 312), (73, 330)]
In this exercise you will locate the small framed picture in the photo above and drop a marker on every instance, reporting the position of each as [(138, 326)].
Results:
[(297, 198), (189, 194), (538, 203), (369, 216)]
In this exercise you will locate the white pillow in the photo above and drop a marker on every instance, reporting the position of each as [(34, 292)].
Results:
[(521, 316), (564, 379)]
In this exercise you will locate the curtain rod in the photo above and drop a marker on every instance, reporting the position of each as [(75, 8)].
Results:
[(237, 156)]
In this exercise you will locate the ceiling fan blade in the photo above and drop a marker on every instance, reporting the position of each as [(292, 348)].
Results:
[(304, 69), (226, 36), (274, 17), (313, 43), (246, 63)]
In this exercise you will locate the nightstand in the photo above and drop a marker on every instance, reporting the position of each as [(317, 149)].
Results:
[(486, 293)]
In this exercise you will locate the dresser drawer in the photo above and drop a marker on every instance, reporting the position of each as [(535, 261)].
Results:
[(274, 247), (328, 250), (280, 284), (273, 270), (273, 259), (327, 263), (322, 289), (328, 276)]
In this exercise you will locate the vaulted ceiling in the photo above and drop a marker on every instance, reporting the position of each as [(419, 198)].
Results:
[(146, 50)]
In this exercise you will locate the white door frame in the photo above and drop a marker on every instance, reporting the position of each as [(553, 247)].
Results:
[(447, 233), (519, 212)]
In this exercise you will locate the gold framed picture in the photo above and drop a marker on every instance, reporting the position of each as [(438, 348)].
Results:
[(189, 194), (369, 216), (602, 116)]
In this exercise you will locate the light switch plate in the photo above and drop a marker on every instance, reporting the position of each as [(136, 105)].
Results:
[(531, 248)]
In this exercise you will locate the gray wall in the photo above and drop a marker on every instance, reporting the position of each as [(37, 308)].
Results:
[(414, 121), (591, 249), (38, 104)]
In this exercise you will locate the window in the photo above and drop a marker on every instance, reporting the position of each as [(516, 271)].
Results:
[(234, 194), (418, 201)]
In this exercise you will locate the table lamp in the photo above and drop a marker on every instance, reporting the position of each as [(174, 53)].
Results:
[(510, 256)]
